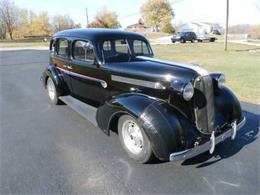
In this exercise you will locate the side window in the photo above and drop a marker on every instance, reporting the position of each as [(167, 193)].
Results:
[(83, 50), (52, 45), (121, 46), (107, 46), (140, 47), (63, 47)]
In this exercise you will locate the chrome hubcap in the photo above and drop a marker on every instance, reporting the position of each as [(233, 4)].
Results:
[(51, 89), (132, 136)]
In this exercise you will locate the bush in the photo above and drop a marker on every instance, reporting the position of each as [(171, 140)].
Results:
[(167, 28), (255, 31)]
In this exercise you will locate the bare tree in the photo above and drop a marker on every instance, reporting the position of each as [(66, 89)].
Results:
[(60, 22), (105, 19), (9, 15), (2, 29)]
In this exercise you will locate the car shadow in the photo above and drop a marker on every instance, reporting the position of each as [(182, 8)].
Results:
[(245, 136)]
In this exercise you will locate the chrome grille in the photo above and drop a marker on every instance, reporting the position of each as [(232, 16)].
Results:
[(204, 104)]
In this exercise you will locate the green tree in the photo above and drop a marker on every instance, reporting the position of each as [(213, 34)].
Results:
[(105, 19), (157, 13)]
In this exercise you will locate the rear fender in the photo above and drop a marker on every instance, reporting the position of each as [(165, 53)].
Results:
[(52, 72)]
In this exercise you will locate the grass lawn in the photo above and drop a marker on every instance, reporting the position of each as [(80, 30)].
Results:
[(155, 35), (240, 66), (23, 44)]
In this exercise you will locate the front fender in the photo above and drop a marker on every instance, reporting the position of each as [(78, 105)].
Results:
[(166, 128), (129, 103), (227, 107)]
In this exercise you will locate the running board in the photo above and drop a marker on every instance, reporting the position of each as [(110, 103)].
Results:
[(85, 110)]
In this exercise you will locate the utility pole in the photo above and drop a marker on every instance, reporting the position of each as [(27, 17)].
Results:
[(226, 30), (87, 17)]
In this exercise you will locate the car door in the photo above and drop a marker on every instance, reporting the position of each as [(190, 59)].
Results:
[(188, 36), (89, 81), (60, 59)]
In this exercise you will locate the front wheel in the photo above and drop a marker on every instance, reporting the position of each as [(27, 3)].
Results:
[(134, 139), (52, 92)]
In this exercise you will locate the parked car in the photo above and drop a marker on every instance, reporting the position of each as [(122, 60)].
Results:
[(160, 109), (205, 37), (183, 37)]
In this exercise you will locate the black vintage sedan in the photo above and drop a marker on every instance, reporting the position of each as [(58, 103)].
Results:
[(161, 109)]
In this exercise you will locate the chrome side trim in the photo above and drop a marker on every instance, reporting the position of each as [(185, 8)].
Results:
[(138, 82), (213, 142), (198, 69), (102, 82), (234, 130), (189, 153)]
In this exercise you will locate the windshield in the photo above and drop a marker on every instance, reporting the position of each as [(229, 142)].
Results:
[(123, 50)]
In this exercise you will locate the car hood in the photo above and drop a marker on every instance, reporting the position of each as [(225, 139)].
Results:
[(150, 69)]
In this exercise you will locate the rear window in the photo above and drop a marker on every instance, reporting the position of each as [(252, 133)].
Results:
[(52, 45), (63, 47)]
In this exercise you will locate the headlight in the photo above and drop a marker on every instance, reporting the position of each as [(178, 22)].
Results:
[(188, 91), (221, 81)]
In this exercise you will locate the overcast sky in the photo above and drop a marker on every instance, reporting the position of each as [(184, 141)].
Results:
[(241, 11)]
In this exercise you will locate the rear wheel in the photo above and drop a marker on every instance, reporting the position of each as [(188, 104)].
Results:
[(134, 139), (52, 92)]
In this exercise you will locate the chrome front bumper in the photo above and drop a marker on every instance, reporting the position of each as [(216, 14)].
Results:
[(208, 146)]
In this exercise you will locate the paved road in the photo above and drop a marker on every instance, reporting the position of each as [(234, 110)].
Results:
[(51, 149), (245, 42)]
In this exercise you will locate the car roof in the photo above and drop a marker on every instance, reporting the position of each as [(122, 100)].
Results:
[(95, 34)]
